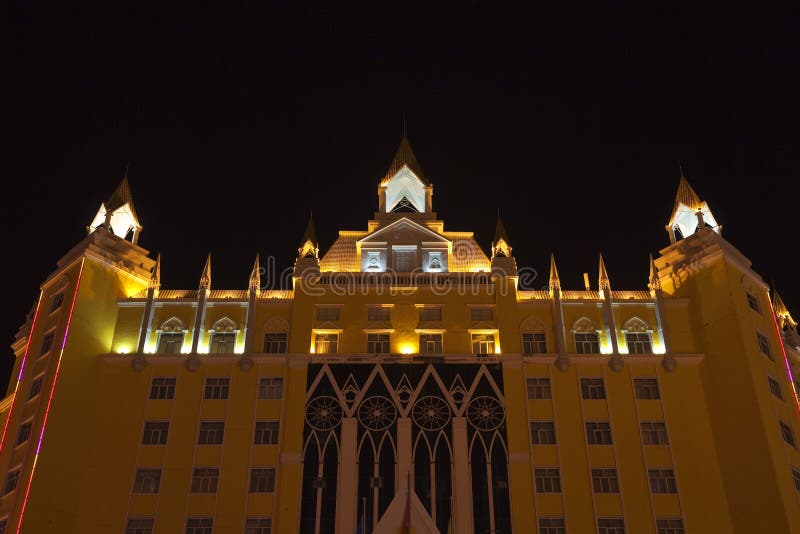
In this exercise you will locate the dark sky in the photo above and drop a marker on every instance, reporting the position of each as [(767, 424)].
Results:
[(236, 123)]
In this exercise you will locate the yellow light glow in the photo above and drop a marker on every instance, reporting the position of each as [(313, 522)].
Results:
[(407, 348), (124, 349)]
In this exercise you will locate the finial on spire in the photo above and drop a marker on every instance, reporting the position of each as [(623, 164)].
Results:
[(680, 168), (255, 277), (604, 283), (155, 275), (205, 278), (555, 281), (654, 282)]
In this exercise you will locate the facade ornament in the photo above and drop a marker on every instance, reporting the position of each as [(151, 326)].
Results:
[(246, 363), (615, 363), (669, 363), (138, 362), (192, 362)]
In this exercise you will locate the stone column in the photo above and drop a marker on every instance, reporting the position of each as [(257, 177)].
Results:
[(403, 454), (147, 321), (347, 484), (462, 484)]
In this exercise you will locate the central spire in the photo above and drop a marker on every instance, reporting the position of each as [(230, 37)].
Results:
[(404, 157)]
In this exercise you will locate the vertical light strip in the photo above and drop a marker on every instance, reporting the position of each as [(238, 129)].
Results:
[(785, 358), (21, 369), (50, 399)]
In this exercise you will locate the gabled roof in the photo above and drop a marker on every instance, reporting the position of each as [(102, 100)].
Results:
[(404, 156), (687, 196), (405, 221), (122, 195)]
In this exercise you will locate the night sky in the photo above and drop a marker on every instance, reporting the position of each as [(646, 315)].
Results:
[(237, 123)]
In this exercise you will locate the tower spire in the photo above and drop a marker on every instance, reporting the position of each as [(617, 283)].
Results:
[(155, 277), (555, 281), (309, 245), (781, 312), (205, 278), (117, 214), (603, 283), (255, 276), (689, 213), (500, 246), (404, 157)]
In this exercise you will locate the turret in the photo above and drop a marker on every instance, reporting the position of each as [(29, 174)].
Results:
[(502, 260), (689, 214), (404, 187), (307, 261), (117, 214)]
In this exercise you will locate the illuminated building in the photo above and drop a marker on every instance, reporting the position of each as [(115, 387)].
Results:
[(404, 354)]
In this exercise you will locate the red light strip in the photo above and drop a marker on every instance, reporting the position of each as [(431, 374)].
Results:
[(786, 359), (21, 369), (50, 399)]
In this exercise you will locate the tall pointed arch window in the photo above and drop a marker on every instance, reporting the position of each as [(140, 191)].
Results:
[(170, 336), (586, 336), (223, 336)]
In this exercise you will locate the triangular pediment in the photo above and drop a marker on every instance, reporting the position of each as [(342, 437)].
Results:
[(404, 231)]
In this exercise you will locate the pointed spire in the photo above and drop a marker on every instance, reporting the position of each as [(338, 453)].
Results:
[(686, 195), (500, 246), (255, 276), (555, 281), (155, 276), (781, 312), (654, 282), (205, 278), (404, 156), (309, 245), (122, 195), (604, 283)]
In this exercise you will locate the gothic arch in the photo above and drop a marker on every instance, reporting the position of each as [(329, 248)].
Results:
[(635, 324), (275, 325), (532, 325), (584, 324), (224, 324), (173, 324)]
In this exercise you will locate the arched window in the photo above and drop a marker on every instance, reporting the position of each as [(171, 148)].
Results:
[(223, 336), (170, 336), (587, 339), (534, 340), (637, 336)]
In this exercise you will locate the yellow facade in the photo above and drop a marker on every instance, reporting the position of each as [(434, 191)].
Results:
[(403, 355)]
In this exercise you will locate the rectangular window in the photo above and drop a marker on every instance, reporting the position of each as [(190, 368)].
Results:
[(483, 343), (430, 343), (266, 433), (378, 313), (552, 525), (326, 343), (670, 526), (763, 345), (275, 343), (788, 435), (543, 433), (36, 387), (11, 481), (170, 342), (598, 433), (638, 343), (211, 433), (24, 433), (378, 343), (539, 388), (646, 388), (223, 343), (587, 343), (534, 343), (654, 433), (328, 313), (47, 343), (270, 388), (662, 481), (155, 433), (140, 525), (162, 388), (752, 301), (205, 479), (147, 481), (604, 480), (262, 480), (481, 313), (796, 476), (258, 525), (610, 525), (58, 300), (200, 525), (430, 313), (593, 388), (216, 388), (548, 480), (405, 261), (774, 387)]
